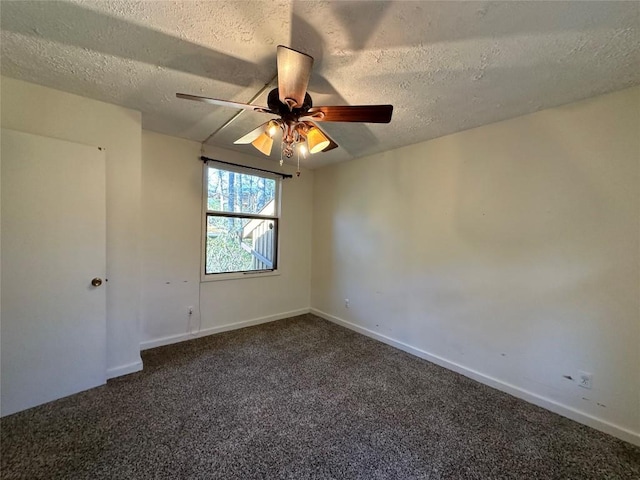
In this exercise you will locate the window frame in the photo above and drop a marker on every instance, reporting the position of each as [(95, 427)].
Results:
[(214, 277)]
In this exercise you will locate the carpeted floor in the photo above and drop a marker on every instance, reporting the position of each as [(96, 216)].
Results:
[(300, 399)]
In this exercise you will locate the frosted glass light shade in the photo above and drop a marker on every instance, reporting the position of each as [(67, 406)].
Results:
[(263, 143), (316, 140)]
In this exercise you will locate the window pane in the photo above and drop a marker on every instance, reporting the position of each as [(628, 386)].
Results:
[(240, 192), (239, 244)]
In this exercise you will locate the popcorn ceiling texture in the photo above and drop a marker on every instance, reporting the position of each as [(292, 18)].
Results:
[(301, 399), (445, 66)]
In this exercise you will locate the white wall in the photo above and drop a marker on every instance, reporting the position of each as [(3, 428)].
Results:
[(509, 252), (168, 229), (172, 218), (43, 111)]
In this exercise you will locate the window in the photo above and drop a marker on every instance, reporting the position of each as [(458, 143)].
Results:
[(240, 222)]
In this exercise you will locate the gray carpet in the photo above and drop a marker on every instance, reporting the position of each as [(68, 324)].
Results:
[(299, 399)]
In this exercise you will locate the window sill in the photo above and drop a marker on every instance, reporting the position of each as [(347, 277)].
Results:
[(217, 277)]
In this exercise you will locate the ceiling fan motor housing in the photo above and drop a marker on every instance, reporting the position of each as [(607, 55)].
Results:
[(282, 109)]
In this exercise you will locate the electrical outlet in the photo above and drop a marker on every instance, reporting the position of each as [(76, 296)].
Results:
[(346, 303), (190, 310), (585, 379)]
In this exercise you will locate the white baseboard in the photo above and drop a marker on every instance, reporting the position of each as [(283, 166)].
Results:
[(564, 410), (181, 337), (124, 369)]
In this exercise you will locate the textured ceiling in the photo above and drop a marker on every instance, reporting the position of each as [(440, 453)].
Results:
[(445, 66)]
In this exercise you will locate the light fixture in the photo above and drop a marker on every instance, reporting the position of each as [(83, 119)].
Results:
[(316, 140), (297, 136)]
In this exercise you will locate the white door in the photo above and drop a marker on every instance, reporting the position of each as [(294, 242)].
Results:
[(53, 243)]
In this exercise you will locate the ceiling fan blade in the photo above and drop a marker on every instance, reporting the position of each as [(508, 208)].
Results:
[(294, 71), (331, 145), (225, 103), (353, 113), (252, 135)]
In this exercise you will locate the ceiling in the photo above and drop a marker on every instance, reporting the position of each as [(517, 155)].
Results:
[(445, 66)]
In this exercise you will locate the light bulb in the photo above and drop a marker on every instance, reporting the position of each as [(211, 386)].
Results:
[(272, 128)]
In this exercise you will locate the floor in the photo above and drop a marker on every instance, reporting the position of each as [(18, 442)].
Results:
[(301, 398)]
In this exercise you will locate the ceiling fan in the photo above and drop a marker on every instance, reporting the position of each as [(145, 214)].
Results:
[(294, 107)]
